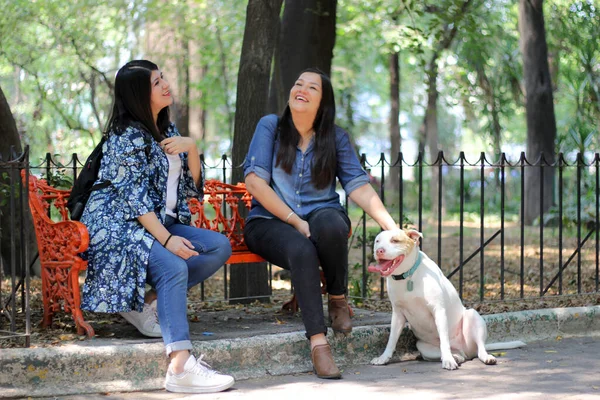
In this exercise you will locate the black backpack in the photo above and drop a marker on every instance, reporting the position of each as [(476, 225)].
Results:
[(84, 184)]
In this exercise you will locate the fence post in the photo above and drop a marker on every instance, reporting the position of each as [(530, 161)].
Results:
[(462, 224), (482, 228), (502, 205), (522, 270), (560, 219)]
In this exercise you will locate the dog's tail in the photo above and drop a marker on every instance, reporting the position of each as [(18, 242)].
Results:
[(504, 345)]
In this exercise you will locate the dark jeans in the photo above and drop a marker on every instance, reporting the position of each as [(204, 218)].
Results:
[(281, 244)]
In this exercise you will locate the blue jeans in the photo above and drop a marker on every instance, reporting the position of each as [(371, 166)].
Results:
[(171, 276)]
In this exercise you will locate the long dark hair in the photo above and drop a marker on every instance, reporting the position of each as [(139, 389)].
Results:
[(325, 161), (132, 101)]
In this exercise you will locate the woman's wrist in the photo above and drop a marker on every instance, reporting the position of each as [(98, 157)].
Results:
[(290, 215), (167, 240)]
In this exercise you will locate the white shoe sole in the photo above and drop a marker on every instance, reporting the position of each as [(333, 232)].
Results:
[(140, 329), (171, 387)]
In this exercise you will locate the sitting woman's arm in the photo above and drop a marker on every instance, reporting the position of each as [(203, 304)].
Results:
[(367, 199), (267, 197)]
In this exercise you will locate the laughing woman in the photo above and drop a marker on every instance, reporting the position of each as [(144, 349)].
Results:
[(296, 220), (139, 226)]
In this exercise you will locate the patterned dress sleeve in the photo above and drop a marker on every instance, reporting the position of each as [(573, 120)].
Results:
[(129, 172)]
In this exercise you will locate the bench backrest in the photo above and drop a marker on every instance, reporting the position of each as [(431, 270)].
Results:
[(56, 243), (224, 212)]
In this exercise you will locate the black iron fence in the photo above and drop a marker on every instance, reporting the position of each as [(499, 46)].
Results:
[(474, 218), (15, 313), (499, 229)]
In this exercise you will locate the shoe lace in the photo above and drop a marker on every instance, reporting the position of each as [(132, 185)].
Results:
[(202, 367), (150, 314)]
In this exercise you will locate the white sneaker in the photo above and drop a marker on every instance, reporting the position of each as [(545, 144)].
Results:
[(146, 321), (197, 377)]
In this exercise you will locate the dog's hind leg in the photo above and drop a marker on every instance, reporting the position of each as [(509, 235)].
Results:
[(475, 334), (430, 352)]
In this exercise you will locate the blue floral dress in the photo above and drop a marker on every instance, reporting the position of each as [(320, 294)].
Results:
[(119, 245)]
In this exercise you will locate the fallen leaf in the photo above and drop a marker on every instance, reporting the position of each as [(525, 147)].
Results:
[(551, 351)]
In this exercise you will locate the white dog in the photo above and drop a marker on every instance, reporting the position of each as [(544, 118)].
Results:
[(423, 296)]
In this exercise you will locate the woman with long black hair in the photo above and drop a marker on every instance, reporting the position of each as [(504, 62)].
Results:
[(139, 226), (296, 220)]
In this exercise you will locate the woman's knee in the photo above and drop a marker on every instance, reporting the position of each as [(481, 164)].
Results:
[(330, 225), (175, 275), (223, 248)]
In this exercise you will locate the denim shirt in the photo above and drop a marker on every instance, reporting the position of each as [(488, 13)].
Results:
[(296, 189)]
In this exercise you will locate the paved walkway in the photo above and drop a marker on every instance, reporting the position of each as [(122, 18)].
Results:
[(551, 369), (256, 346)]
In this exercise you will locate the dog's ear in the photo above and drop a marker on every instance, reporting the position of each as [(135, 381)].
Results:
[(414, 235)]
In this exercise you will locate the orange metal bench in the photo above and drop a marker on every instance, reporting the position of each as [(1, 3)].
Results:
[(60, 243)]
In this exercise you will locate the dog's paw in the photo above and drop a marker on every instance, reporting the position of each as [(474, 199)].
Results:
[(488, 359), (458, 358), (381, 360), (449, 363)]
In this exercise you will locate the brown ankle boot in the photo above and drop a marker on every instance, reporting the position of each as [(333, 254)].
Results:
[(339, 315), (323, 363)]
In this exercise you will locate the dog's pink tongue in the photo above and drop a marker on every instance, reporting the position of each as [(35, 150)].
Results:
[(374, 268), (381, 267)]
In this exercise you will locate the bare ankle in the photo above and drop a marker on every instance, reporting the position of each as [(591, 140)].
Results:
[(178, 359), (318, 339), (150, 296)]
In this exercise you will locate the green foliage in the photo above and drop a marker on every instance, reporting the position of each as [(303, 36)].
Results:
[(60, 179), (58, 60), (355, 286), (573, 29), (587, 200)]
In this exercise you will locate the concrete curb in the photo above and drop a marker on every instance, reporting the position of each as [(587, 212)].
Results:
[(94, 367), (543, 324)]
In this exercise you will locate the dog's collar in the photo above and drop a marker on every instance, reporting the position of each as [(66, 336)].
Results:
[(411, 271)]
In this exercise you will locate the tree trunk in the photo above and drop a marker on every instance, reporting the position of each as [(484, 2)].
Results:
[(10, 144), (395, 139), (171, 53), (429, 129), (307, 39), (8, 130), (277, 98), (541, 122), (260, 36), (431, 133)]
